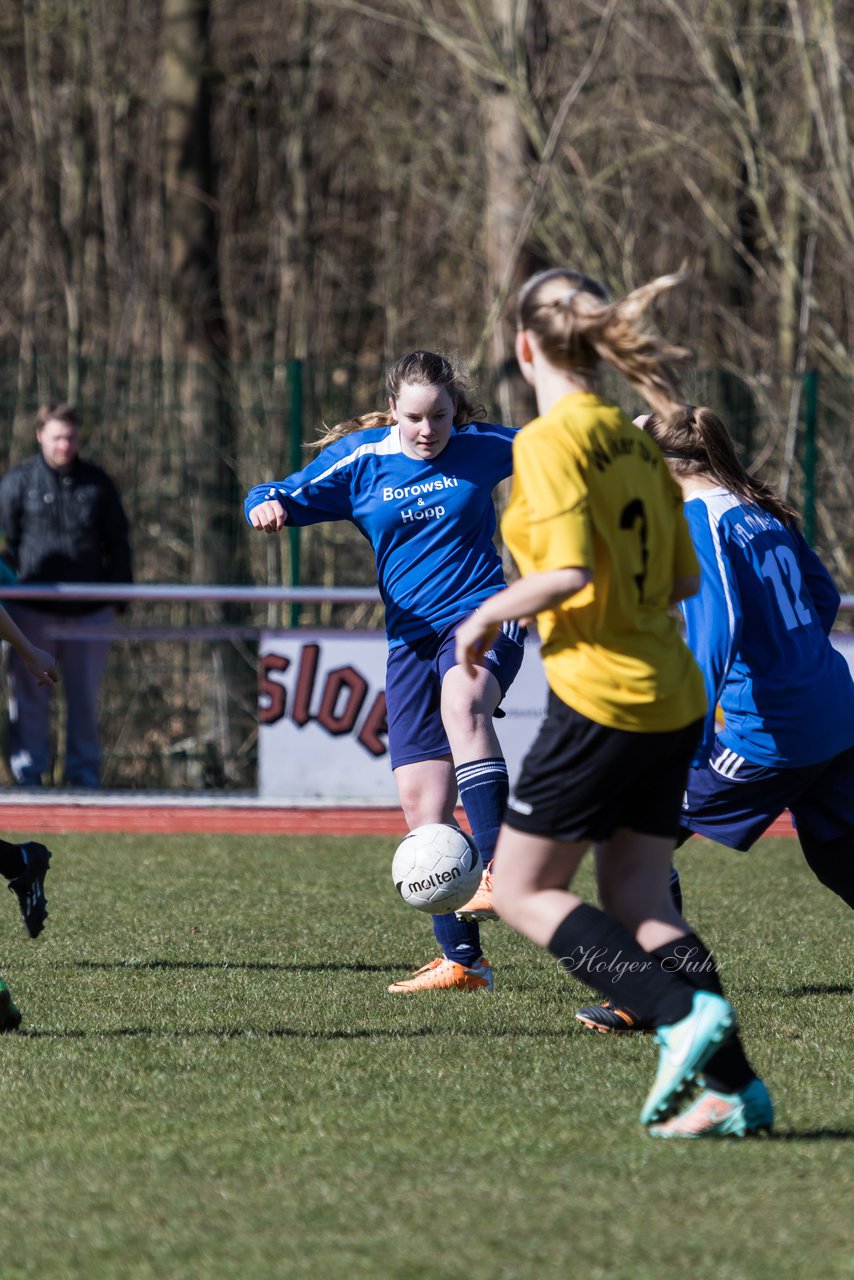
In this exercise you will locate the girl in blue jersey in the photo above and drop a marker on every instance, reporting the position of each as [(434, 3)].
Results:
[(759, 629), (418, 483)]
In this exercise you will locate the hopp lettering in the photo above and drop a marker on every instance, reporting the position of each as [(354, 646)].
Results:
[(421, 513)]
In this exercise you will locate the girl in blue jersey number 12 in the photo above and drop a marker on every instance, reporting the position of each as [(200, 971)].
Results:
[(417, 481), (759, 630)]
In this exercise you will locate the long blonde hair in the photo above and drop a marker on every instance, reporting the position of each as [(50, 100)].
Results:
[(418, 368), (578, 326)]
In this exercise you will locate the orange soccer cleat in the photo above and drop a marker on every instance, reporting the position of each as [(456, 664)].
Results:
[(479, 907), (442, 974)]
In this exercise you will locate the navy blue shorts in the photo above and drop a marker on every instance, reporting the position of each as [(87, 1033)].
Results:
[(733, 801), (582, 780), (413, 688)]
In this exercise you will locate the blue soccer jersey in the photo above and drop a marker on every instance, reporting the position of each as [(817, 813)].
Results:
[(431, 522), (759, 631)]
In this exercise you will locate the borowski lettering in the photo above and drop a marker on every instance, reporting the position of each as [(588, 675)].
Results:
[(416, 490)]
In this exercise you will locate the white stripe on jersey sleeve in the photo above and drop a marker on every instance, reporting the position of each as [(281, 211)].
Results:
[(389, 444)]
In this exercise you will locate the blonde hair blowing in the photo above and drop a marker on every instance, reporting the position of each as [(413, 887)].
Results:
[(577, 326), (361, 423)]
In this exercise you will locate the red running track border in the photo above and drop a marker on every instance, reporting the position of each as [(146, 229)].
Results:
[(175, 819)]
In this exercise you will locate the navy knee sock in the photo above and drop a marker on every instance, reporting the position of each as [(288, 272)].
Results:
[(484, 787), (676, 889), (459, 939)]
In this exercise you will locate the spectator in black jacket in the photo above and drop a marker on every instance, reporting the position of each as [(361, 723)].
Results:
[(64, 522)]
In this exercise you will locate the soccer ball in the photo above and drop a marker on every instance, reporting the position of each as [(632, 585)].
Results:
[(436, 868)]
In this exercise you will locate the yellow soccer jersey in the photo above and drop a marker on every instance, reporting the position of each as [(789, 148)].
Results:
[(591, 491)]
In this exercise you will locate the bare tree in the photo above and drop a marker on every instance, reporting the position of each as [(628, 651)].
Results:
[(194, 331)]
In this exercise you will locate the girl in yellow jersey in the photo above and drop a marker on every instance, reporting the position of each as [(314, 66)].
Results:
[(596, 526)]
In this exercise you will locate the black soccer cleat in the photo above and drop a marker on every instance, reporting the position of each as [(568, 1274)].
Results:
[(10, 1014), (29, 886), (608, 1016)]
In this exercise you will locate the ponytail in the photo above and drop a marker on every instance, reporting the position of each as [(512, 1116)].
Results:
[(577, 326), (695, 442)]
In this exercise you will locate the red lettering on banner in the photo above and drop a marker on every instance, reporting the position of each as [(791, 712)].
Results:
[(308, 659), (271, 689), (356, 686), (376, 722), (343, 696)]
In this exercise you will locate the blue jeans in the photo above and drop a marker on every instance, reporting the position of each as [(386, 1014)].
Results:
[(82, 664)]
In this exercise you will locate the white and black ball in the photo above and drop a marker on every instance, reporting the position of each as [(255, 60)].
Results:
[(436, 868)]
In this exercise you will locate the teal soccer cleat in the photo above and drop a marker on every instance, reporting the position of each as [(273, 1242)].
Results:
[(686, 1047), (722, 1115)]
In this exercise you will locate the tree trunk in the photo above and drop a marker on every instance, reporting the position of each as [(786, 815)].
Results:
[(198, 339), (508, 185)]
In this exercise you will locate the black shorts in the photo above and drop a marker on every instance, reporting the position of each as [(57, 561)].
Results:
[(582, 781)]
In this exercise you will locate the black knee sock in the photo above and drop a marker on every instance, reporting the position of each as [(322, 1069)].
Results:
[(833, 862), (727, 1070), (602, 953), (11, 859)]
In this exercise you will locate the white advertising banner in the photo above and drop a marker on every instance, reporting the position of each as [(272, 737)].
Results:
[(322, 735), (322, 727)]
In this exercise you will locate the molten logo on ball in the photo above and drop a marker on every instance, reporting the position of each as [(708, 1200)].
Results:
[(436, 868)]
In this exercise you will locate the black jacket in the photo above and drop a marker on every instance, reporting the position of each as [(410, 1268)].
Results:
[(65, 525)]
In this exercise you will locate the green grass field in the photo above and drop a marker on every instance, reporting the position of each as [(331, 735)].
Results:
[(212, 1082)]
